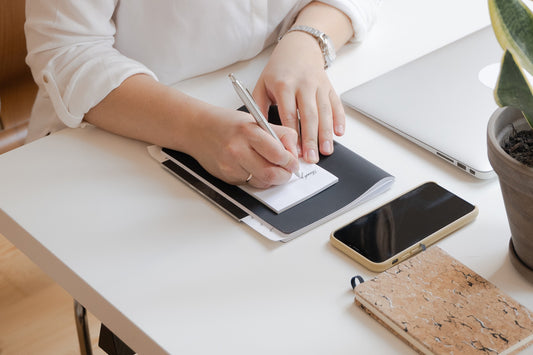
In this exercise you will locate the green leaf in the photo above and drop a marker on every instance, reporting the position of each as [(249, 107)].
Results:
[(512, 22), (513, 89)]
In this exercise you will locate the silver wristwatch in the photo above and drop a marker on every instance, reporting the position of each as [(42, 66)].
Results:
[(325, 43)]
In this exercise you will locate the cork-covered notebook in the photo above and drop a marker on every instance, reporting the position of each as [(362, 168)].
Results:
[(439, 306)]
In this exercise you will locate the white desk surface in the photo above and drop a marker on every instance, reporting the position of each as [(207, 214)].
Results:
[(171, 273)]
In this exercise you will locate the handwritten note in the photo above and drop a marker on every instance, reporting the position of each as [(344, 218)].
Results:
[(313, 180)]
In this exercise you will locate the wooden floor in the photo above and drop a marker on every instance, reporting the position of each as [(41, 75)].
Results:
[(36, 314)]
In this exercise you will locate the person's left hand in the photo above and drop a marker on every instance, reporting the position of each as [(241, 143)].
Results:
[(294, 79)]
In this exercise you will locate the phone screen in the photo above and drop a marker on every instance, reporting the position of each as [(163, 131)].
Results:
[(403, 222)]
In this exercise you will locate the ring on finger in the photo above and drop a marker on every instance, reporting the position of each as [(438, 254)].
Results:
[(249, 177)]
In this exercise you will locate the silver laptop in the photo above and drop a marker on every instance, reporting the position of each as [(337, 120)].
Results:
[(441, 101)]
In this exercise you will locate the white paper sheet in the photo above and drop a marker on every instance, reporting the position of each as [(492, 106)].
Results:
[(282, 197)]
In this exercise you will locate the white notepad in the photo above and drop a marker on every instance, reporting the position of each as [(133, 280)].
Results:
[(282, 197)]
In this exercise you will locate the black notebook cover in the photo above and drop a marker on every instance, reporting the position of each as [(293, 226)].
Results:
[(358, 178)]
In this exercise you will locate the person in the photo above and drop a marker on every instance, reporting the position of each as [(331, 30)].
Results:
[(112, 63)]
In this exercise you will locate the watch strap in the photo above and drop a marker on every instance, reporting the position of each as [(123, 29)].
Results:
[(325, 43)]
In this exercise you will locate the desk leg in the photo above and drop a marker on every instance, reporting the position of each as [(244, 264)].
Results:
[(82, 327)]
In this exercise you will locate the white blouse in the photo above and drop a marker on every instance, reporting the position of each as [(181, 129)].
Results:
[(79, 51)]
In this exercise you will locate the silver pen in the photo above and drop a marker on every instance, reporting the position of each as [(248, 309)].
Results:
[(252, 107), (254, 110)]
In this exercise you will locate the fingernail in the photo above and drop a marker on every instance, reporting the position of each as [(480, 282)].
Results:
[(327, 148), (311, 156), (339, 129), (299, 150), (296, 170)]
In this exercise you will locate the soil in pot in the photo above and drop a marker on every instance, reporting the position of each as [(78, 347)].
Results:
[(519, 145)]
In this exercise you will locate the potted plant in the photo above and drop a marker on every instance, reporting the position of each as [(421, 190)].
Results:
[(510, 127)]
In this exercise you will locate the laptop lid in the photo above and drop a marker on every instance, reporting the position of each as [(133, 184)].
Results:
[(441, 101)]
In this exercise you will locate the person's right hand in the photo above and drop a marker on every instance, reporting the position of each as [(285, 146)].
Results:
[(227, 143), (230, 145)]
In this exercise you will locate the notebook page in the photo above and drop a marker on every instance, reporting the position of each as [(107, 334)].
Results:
[(279, 198)]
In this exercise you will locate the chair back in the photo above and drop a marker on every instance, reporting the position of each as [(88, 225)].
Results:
[(17, 88)]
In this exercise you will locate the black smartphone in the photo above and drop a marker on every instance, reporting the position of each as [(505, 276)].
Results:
[(403, 227)]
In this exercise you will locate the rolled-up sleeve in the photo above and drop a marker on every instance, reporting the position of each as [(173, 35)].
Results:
[(71, 54), (362, 14)]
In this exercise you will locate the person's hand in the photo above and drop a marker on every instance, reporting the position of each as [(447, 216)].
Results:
[(294, 79), (234, 148), (228, 143)]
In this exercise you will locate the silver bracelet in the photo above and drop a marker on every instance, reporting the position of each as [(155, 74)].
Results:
[(325, 43)]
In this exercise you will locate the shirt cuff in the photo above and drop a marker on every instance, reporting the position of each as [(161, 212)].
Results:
[(362, 14), (89, 85)]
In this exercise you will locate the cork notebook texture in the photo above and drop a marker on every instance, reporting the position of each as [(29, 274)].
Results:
[(439, 306)]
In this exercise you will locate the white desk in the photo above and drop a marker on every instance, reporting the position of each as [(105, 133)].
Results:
[(168, 272)]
